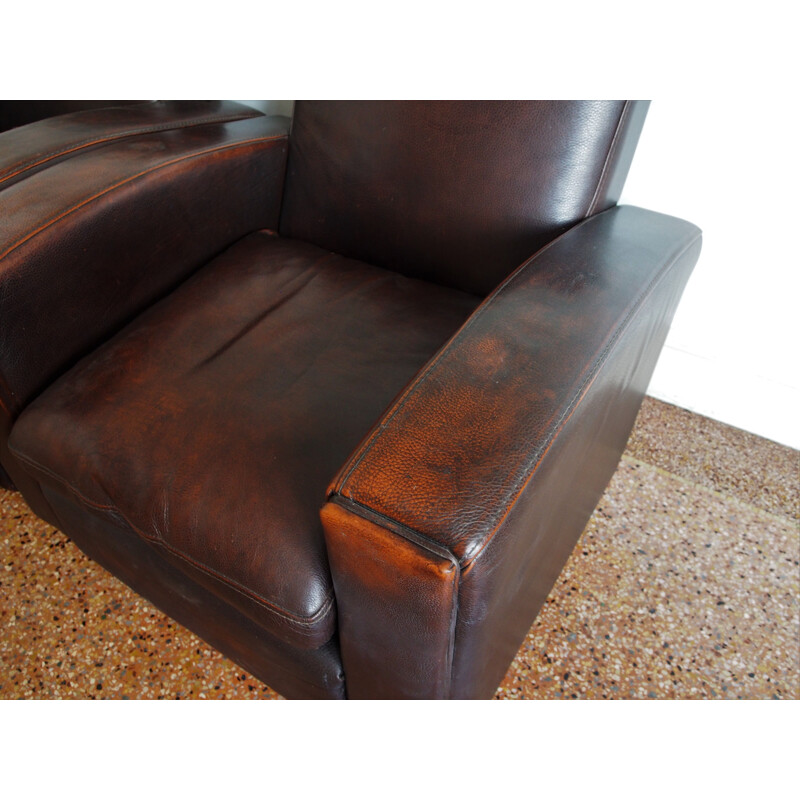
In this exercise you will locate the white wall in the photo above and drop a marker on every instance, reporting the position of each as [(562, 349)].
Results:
[(732, 352)]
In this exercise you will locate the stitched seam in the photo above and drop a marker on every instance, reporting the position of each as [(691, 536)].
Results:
[(555, 428), (131, 178), (114, 511), (358, 457), (409, 534), (611, 151), (434, 548), (147, 129), (451, 634)]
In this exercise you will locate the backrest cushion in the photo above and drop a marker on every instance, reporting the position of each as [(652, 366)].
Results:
[(456, 192)]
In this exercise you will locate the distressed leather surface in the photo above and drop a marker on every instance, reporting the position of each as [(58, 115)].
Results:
[(556, 360), (30, 148), (391, 584), (459, 192), (190, 453), (213, 423), (295, 672), (89, 242)]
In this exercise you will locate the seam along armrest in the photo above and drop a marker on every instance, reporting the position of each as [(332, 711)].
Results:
[(544, 379), (30, 148)]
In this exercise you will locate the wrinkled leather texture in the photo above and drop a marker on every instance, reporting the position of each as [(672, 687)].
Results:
[(89, 242), (62, 227), (464, 444), (219, 393), (466, 436), (213, 423), (459, 193), (301, 673), (30, 148)]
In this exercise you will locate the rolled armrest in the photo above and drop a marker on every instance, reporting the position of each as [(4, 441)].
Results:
[(30, 148), (88, 242), (489, 465)]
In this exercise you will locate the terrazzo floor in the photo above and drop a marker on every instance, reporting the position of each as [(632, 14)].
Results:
[(685, 584)]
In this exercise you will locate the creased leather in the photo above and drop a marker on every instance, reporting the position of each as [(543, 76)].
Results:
[(463, 446), (213, 423), (295, 672), (88, 243), (189, 452)]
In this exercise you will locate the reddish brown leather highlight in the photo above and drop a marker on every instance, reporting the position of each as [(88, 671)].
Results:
[(90, 242), (176, 391), (498, 451), (459, 193), (243, 392), (451, 457), (27, 149), (397, 602), (112, 230)]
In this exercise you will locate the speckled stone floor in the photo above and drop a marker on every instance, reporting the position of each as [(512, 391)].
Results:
[(685, 584)]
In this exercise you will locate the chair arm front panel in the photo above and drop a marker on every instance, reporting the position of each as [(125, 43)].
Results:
[(400, 594), (89, 242), (544, 379)]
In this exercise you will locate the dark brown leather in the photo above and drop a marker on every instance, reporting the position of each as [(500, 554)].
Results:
[(90, 242), (5, 479), (14, 113), (400, 607), (190, 452), (459, 193), (457, 459), (30, 148), (213, 423), (185, 195), (298, 673)]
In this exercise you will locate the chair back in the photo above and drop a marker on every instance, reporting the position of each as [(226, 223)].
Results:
[(457, 192)]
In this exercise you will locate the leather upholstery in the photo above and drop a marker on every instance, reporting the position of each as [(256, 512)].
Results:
[(460, 193), (462, 447), (28, 149), (15, 113), (60, 227), (243, 392), (155, 206), (181, 383), (300, 673)]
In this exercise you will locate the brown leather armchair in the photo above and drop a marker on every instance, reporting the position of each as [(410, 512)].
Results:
[(341, 401)]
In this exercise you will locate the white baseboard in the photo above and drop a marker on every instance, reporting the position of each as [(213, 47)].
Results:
[(728, 393)]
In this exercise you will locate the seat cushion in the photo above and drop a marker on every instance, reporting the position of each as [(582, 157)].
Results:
[(213, 423)]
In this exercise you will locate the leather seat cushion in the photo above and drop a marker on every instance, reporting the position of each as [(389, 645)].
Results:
[(213, 423)]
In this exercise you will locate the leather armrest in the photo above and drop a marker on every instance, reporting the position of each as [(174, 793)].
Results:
[(91, 240), (448, 526), (30, 148), (88, 242)]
